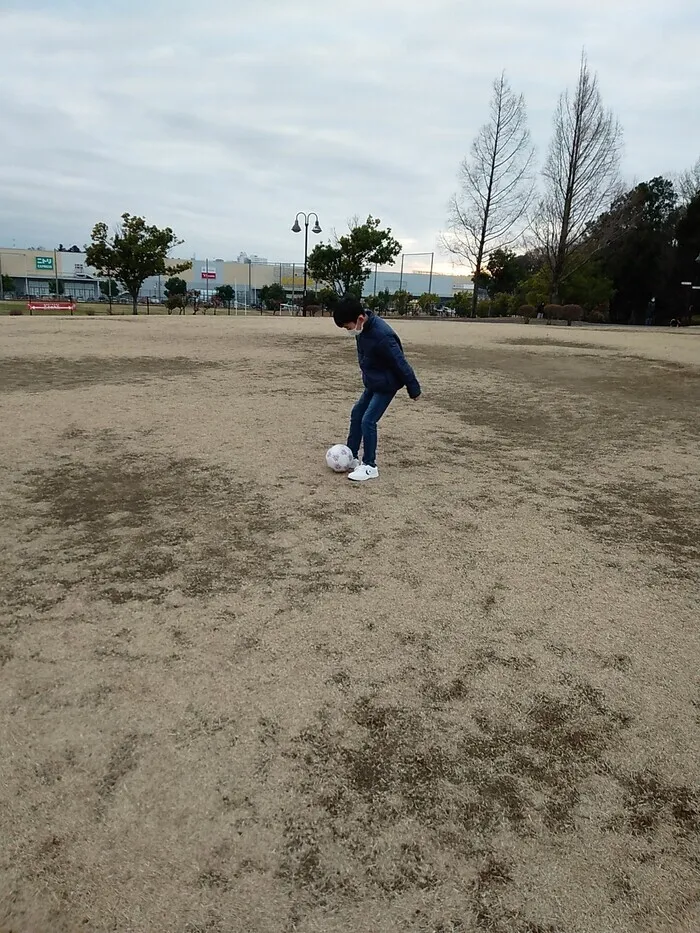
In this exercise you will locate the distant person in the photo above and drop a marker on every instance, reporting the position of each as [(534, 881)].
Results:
[(385, 370), (651, 312)]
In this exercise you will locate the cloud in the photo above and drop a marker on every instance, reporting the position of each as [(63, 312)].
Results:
[(223, 121)]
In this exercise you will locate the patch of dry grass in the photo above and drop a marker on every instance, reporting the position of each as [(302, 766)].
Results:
[(238, 693)]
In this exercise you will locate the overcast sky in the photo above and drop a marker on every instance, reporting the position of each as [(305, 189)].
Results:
[(223, 119)]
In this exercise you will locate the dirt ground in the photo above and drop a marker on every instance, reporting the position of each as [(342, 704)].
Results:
[(238, 693)]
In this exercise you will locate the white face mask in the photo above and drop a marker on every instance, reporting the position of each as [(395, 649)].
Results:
[(356, 330)]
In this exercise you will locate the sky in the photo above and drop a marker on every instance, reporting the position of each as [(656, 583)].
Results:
[(223, 119)]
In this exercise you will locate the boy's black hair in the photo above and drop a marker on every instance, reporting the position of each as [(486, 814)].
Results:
[(347, 310)]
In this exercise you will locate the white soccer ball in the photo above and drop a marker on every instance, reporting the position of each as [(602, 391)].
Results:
[(339, 458)]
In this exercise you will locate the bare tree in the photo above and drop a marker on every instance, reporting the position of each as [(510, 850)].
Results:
[(581, 178), (688, 183), (497, 184)]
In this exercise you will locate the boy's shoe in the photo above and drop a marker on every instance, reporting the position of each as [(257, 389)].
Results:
[(363, 473), (354, 465)]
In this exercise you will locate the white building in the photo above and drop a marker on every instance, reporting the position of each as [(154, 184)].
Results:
[(40, 272)]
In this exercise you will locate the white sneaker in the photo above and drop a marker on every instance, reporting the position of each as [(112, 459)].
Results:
[(354, 465), (363, 473)]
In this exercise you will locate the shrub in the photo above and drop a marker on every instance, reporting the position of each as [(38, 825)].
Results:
[(462, 303), (428, 303), (527, 312), (90, 312), (175, 303), (402, 302), (571, 313), (484, 308), (553, 312), (15, 312), (596, 316), (500, 304)]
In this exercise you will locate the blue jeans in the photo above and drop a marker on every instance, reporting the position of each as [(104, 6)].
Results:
[(366, 412)]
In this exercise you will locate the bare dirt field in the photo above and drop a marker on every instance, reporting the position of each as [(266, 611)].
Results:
[(238, 693)]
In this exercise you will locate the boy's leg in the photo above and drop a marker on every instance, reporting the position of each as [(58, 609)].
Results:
[(358, 413), (378, 404)]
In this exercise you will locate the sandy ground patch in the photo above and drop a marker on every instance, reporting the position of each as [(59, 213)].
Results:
[(238, 693)]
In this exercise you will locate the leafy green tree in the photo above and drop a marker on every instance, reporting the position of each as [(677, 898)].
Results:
[(8, 285), (687, 257), (588, 286), (175, 286), (133, 253), (639, 260), (272, 296), (57, 287), (110, 290), (535, 289), (226, 294), (401, 301), (428, 303), (327, 298), (501, 304), (506, 271), (688, 241), (346, 264), (462, 303), (379, 303), (482, 283)]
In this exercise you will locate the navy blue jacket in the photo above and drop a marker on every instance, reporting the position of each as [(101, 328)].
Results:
[(384, 367)]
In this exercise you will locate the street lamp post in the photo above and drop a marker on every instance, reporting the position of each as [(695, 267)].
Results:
[(297, 229)]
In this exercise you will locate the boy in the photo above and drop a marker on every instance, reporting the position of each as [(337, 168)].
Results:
[(385, 370)]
